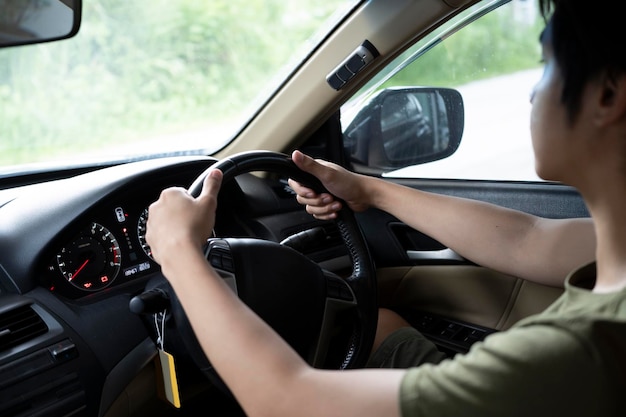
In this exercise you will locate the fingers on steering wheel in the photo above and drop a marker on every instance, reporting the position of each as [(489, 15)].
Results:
[(300, 189)]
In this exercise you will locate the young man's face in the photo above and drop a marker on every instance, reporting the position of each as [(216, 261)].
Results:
[(549, 127)]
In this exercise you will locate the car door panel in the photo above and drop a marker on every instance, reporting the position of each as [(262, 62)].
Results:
[(467, 293)]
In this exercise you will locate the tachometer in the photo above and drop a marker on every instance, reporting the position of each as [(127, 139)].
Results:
[(92, 260)]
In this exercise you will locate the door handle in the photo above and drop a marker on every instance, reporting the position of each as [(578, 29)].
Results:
[(434, 255)]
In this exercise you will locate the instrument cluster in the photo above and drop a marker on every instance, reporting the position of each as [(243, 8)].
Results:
[(109, 250)]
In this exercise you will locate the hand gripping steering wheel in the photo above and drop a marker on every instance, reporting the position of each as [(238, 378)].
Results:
[(304, 303)]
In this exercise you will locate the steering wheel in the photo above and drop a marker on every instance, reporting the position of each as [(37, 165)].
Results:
[(304, 303)]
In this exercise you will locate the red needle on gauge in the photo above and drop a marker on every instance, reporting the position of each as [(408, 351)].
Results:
[(80, 268)]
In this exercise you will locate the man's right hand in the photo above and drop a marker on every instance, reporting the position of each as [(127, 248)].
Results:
[(341, 184)]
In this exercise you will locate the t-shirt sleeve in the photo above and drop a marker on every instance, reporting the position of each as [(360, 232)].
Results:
[(528, 371)]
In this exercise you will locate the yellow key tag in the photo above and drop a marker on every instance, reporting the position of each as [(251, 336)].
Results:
[(167, 385)]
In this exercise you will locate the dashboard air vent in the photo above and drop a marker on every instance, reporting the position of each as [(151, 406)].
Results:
[(19, 326)]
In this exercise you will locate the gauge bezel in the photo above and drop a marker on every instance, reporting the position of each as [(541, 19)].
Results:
[(142, 225)]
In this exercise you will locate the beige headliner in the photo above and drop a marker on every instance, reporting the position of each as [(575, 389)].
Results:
[(307, 100)]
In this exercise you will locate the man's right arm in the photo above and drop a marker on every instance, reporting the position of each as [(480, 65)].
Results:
[(530, 247)]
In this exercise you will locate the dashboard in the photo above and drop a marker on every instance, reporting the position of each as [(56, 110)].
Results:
[(105, 247), (72, 256), (85, 234)]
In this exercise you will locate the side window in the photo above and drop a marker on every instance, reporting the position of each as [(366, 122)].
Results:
[(494, 69)]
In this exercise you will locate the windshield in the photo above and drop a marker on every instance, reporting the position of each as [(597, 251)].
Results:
[(149, 79)]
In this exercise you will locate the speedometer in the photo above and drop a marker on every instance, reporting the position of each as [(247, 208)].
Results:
[(142, 227), (141, 233), (92, 260)]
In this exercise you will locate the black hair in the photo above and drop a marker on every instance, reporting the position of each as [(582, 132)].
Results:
[(588, 40)]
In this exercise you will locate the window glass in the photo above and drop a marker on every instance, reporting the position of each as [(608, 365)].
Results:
[(144, 79), (494, 68)]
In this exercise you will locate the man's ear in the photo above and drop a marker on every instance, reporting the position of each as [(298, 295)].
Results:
[(611, 98)]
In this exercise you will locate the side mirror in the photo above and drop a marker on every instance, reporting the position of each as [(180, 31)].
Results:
[(34, 21), (404, 126)]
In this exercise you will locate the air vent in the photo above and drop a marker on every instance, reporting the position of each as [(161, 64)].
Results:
[(47, 395), (19, 326)]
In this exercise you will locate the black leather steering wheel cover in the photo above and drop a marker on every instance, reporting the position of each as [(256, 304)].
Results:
[(363, 277)]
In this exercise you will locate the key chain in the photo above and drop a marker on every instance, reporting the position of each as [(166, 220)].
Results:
[(167, 385)]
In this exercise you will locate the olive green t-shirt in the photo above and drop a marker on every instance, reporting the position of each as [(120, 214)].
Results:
[(567, 361)]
